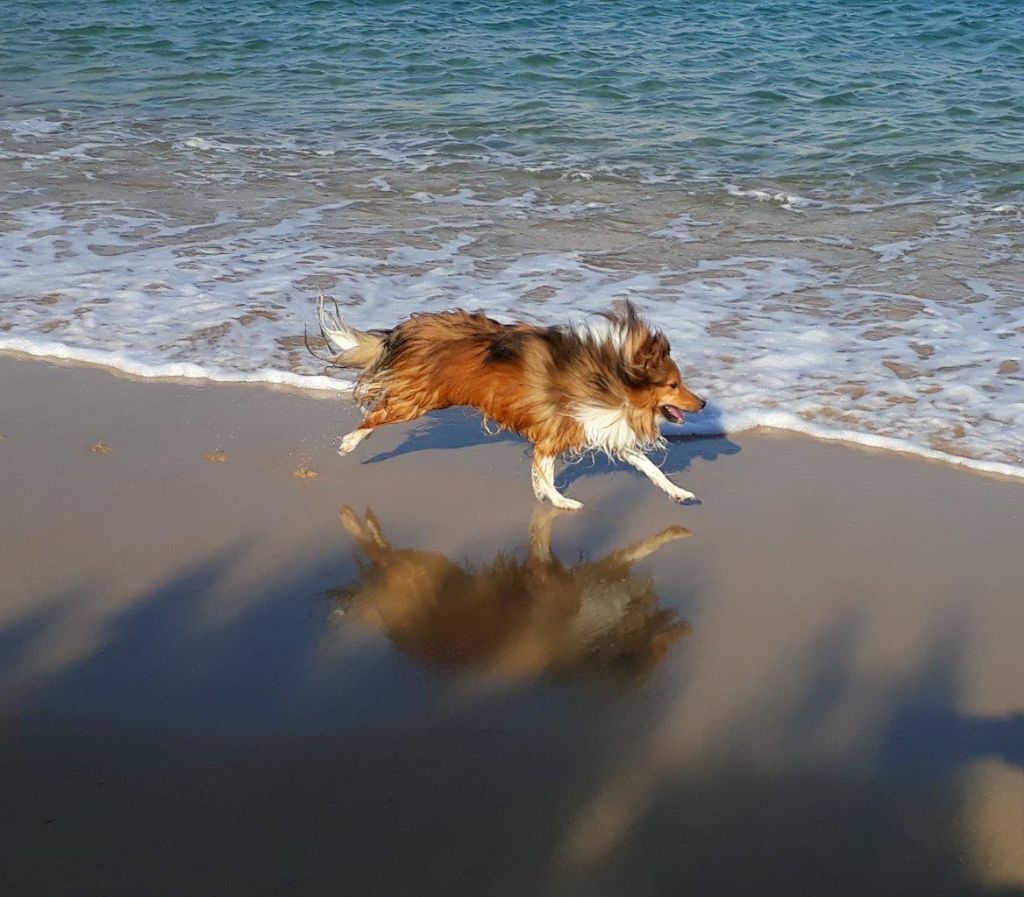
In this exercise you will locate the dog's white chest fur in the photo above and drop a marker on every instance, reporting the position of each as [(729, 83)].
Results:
[(606, 429)]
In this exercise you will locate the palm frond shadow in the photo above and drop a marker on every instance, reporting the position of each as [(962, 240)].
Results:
[(246, 737)]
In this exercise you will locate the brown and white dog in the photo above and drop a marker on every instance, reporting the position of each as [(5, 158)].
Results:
[(601, 385)]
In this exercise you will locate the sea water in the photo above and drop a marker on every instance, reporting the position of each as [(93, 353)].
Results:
[(821, 203)]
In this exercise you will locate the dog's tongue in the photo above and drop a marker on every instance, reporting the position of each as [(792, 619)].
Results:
[(673, 414)]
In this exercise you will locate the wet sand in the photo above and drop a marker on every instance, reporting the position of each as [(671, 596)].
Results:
[(220, 675)]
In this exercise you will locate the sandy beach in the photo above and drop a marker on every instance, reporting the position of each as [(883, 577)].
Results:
[(217, 680)]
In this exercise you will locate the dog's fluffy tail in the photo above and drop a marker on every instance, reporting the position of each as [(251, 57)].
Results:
[(354, 348)]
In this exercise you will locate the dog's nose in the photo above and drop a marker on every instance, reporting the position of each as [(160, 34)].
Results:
[(703, 404)]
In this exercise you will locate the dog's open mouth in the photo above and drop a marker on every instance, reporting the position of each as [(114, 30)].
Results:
[(672, 414)]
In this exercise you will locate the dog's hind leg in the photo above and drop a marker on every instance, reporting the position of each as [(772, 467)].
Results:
[(377, 418), (350, 440), (650, 470), (542, 475)]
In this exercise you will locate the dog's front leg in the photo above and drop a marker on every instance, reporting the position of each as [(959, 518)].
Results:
[(650, 470), (543, 478), (540, 537), (626, 557)]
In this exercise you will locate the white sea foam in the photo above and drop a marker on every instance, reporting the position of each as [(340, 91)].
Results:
[(31, 127), (526, 202), (785, 200), (726, 423), (681, 228), (890, 252), (126, 364), (200, 143)]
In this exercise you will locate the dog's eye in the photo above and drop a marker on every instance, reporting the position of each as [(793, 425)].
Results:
[(674, 384)]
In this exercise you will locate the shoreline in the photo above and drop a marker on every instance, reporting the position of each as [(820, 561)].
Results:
[(324, 387)]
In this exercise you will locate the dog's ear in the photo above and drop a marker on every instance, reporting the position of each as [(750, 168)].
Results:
[(653, 350), (641, 360)]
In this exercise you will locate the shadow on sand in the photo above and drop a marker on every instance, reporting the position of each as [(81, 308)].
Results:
[(454, 428), (460, 428)]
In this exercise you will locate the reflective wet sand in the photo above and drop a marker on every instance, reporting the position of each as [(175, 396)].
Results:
[(512, 620), (402, 677)]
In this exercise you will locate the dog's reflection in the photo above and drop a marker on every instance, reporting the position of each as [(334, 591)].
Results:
[(512, 619)]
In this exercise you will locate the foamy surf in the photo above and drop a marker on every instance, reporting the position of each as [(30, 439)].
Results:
[(723, 423), (180, 370), (785, 200)]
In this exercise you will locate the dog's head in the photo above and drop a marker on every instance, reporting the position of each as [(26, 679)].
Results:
[(667, 392), (650, 371)]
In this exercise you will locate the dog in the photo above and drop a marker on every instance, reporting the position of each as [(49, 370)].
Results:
[(512, 620), (601, 385)]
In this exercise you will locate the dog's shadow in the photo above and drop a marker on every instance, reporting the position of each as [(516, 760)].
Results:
[(461, 428), (454, 428), (675, 457)]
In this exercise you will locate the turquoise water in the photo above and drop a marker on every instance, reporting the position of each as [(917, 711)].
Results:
[(921, 94), (821, 203)]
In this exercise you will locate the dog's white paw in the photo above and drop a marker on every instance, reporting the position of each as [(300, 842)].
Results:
[(566, 504), (681, 495), (348, 444)]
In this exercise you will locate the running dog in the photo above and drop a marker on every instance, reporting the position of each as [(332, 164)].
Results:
[(601, 385)]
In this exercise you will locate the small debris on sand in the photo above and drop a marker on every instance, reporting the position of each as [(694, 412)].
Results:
[(304, 473), (101, 448), (215, 456)]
